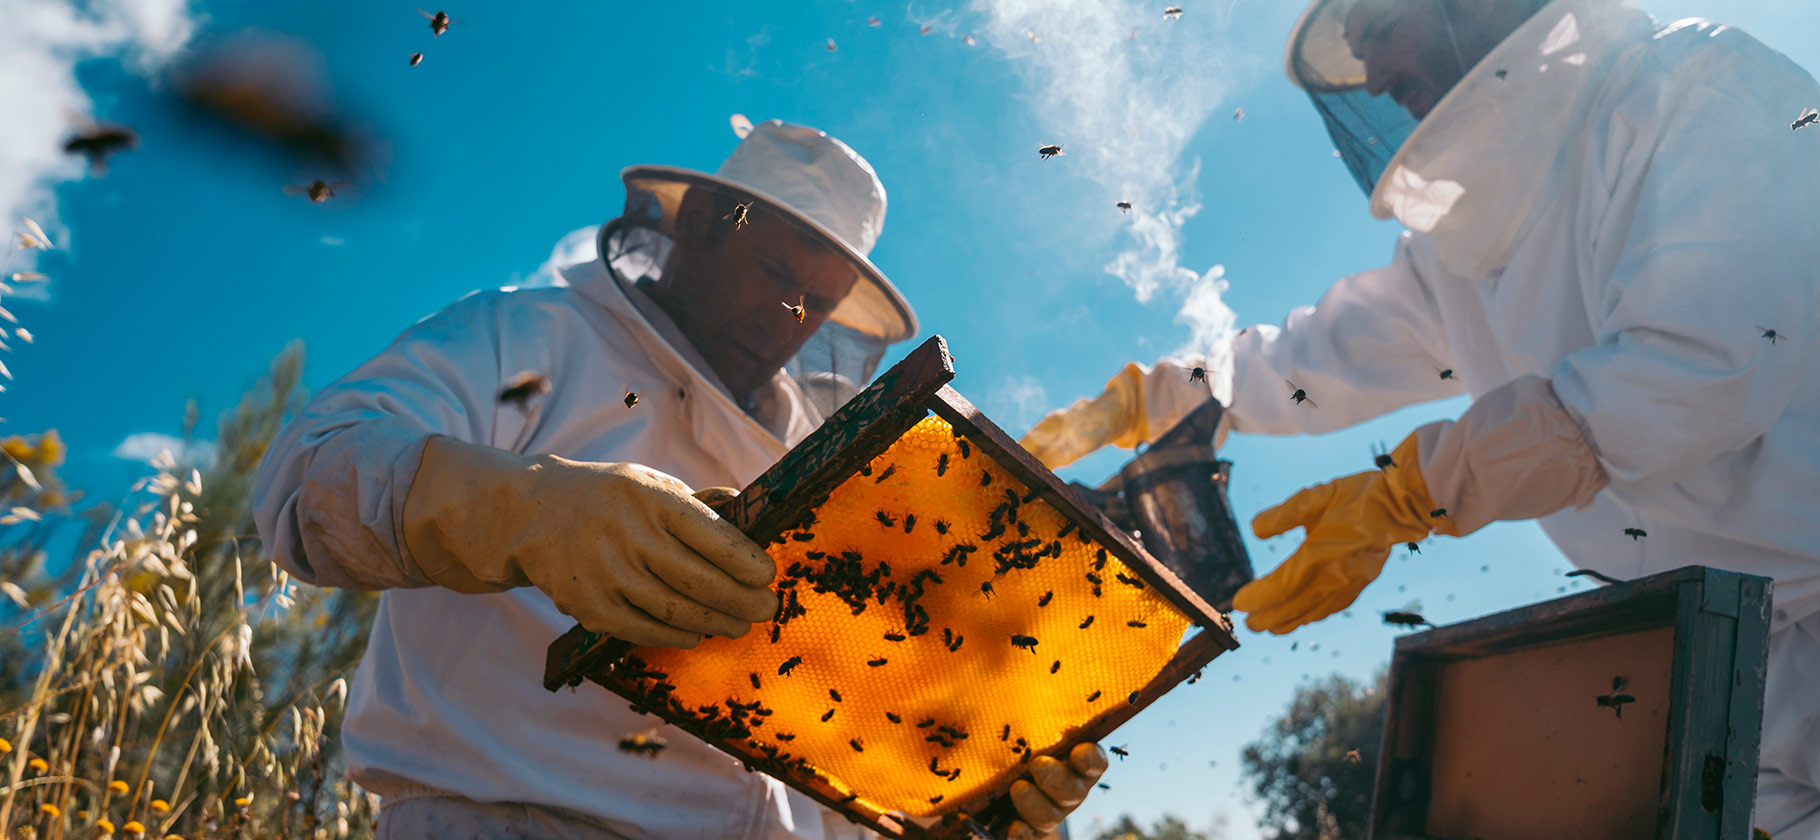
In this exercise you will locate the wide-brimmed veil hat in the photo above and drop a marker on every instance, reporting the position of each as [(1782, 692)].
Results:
[(814, 181), (1366, 130)]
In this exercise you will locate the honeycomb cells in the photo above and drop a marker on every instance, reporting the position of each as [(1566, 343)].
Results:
[(929, 673)]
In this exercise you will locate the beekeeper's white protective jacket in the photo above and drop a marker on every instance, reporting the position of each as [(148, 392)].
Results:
[(1618, 213), (449, 697)]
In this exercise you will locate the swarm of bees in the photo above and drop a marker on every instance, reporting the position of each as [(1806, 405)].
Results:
[(97, 142), (1617, 698), (317, 191), (1807, 118), (521, 389), (1299, 395), (439, 22), (1050, 150), (647, 743)]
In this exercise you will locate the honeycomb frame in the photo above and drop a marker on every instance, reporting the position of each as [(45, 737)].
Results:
[(781, 504)]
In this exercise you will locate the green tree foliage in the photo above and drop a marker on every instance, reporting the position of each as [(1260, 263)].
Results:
[(1167, 827), (1313, 784)]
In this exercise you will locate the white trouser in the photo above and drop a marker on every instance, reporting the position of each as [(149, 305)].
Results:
[(1788, 775), (446, 817)]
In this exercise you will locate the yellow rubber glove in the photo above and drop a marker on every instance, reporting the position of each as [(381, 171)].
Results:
[(1137, 405), (1352, 524)]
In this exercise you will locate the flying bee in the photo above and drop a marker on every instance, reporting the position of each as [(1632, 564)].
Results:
[(1437, 513), (1503, 74), (1299, 395), (317, 191), (647, 743), (1049, 151), (439, 22), (522, 388), (873, 22), (797, 310), (739, 215), (1770, 334), (1445, 373), (1807, 118), (1617, 698), (1413, 548), (1120, 752), (1238, 115), (1381, 456), (831, 46), (1405, 618), (1124, 206), (927, 29), (1354, 757), (631, 398), (1197, 375), (1103, 786), (1635, 533), (1024, 643), (99, 141), (968, 41), (416, 59), (1172, 13), (789, 665)]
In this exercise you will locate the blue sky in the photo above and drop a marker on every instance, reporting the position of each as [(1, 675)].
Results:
[(187, 268)]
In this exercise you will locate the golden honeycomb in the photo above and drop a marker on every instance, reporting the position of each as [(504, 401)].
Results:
[(911, 673)]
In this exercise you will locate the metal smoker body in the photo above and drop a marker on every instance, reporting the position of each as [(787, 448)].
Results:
[(1174, 495)]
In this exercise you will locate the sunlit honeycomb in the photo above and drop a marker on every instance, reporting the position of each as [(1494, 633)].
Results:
[(905, 686)]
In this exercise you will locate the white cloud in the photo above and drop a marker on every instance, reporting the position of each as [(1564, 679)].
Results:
[(577, 246), (1124, 92), (41, 41), (333, 241), (145, 446)]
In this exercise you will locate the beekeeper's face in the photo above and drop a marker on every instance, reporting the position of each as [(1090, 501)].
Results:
[(729, 289), (1406, 50)]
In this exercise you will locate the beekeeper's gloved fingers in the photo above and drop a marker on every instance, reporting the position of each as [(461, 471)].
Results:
[(1059, 788), (624, 549), (1351, 525), (1137, 404)]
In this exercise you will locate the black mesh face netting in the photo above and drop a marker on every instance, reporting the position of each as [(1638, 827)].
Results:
[(1366, 130)]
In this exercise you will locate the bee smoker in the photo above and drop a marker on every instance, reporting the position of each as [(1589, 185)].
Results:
[(1173, 495)]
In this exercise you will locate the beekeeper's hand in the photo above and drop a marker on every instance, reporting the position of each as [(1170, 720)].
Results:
[(1518, 453), (1059, 788), (1137, 406), (624, 549)]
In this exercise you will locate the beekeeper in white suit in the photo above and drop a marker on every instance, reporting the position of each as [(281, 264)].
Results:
[(495, 513), (1613, 245)]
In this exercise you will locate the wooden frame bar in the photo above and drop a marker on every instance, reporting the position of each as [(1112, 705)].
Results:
[(787, 494)]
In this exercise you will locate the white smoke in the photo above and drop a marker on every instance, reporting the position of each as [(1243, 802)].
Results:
[(41, 41), (576, 246), (1125, 91)]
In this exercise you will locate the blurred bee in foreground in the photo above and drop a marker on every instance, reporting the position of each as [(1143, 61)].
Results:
[(647, 743), (520, 389), (439, 22), (97, 142), (1617, 698)]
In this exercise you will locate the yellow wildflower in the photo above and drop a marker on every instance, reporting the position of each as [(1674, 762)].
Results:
[(5, 746), (133, 827), (38, 765), (160, 806), (117, 786), (47, 450), (243, 801), (51, 810), (82, 814), (105, 826), (172, 837)]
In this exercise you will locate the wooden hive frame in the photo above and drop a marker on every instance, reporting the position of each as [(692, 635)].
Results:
[(1719, 623), (791, 489)]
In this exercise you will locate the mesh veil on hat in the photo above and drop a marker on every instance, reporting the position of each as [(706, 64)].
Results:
[(817, 182)]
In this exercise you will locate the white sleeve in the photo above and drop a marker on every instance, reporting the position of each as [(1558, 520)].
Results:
[(1371, 345), (329, 496), (1723, 237)]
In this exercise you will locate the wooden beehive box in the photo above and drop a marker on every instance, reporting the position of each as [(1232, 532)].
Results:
[(948, 611), (1495, 728)]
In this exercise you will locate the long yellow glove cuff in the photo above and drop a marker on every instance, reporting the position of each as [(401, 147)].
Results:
[(1352, 523), (1116, 416)]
